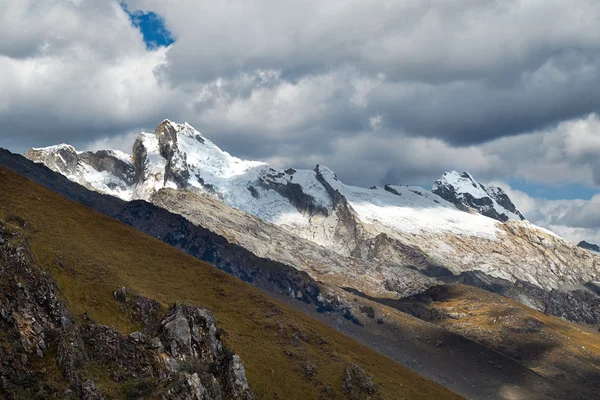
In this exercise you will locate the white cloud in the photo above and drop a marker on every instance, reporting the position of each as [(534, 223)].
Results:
[(567, 153), (582, 137), (122, 142), (97, 29), (404, 37), (278, 108), (75, 70)]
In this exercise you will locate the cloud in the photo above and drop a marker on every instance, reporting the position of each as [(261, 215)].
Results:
[(567, 153), (123, 142), (465, 72), (435, 41), (34, 28), (367, 159), (381, 91), (586, 215), (75, 71), (477, 111)]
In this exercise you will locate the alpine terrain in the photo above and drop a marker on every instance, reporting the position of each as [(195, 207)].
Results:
[(452, 282), (390, 241), (93, 309)]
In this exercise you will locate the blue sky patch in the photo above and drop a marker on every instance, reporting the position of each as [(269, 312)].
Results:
[(552, 192), (152, 27)]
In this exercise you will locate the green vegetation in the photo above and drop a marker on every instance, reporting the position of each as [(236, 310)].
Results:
[(91, 255)]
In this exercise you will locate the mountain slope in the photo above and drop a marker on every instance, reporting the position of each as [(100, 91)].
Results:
[(383, 234), (461, 364), (47, 352), (90, 255), (549, 346)]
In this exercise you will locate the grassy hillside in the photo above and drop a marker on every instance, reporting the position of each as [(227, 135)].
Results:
[(287, 355), (556, 349)]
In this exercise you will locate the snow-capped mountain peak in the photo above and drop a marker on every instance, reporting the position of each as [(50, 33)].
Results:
[(182, 143), (466, 193), (177, 156)]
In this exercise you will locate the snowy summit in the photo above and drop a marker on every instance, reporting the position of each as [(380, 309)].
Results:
[(177, 156)]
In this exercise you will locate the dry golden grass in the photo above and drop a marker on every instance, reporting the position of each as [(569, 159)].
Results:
[(550, 346), (91, 255)]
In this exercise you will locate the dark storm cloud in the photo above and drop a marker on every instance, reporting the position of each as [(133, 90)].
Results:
[(466, 72), (476, 111), (430, 41)]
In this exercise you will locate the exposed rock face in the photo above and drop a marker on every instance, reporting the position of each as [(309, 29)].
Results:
[(176, 168), (59, 158), (589, 246), (30, 313), (357, 384), (344, 227), (112, 162), (291, 191), (183, 346), (271, 270), (293, 257), (89, 391), (466, 193)]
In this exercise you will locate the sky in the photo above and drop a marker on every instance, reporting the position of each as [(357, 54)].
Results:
[(381, 91)]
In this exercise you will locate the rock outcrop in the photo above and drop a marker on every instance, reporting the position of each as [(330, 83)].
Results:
[(357, 384), (589, 246), (179, 354)]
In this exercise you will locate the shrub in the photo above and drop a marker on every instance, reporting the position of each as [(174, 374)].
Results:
[(12, 218)]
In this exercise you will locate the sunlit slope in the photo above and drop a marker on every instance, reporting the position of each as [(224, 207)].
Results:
[(552, 347), (91, 255)]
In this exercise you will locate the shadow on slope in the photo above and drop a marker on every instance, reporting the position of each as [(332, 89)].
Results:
[(558, 350)]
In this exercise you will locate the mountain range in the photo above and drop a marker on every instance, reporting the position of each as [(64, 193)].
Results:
[(452, 282), (389, 241)]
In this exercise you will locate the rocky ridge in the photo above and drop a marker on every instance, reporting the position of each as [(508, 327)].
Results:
[(108, 171)]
